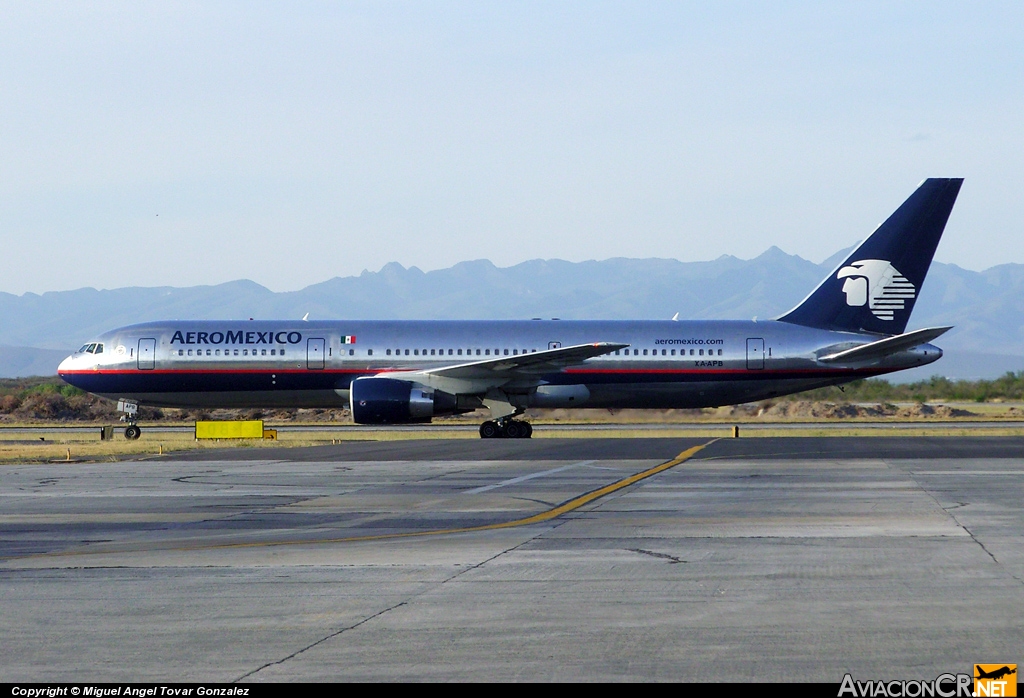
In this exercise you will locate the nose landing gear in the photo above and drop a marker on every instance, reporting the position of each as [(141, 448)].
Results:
[(129, 411), (506, 429)]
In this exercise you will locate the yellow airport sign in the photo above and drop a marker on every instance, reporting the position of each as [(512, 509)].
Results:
[(238, 429)]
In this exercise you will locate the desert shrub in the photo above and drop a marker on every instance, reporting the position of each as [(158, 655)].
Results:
[(43, 405)]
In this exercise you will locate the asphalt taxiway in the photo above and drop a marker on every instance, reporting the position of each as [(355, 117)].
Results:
[(773, 559)]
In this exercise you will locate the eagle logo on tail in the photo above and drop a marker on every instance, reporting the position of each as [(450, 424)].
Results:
[(877, 284)]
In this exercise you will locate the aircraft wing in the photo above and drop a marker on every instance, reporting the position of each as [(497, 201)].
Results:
[(884, 347), (535, 363)]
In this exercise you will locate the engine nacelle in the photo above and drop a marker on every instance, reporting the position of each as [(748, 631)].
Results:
[(390, 401)]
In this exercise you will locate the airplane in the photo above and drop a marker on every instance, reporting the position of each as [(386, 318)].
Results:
[(995, 673), (853, 325)]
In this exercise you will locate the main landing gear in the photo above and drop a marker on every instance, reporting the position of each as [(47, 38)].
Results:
[(129, 411), (505, 429)]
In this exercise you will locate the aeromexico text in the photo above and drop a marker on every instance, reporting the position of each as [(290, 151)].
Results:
[(239, 337), (689, 341)]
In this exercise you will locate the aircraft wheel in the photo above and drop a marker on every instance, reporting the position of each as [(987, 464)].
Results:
[(513, 430), (489, 430), (132, 432), (527, 429)]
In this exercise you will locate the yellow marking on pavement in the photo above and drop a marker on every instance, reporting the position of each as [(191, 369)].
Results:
[(548, 515)]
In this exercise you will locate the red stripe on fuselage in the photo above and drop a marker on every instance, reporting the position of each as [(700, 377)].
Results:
[(570, 371), (220, 371)]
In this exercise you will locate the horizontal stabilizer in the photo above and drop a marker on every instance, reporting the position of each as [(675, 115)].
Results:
[(885, 347)]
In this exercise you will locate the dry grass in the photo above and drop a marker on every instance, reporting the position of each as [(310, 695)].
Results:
[(87, 447), (56, 442), (60, 446)]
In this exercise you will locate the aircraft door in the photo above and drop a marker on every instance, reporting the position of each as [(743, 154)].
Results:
[(554, 345), (147, 354), (315, 353), (755, 354)]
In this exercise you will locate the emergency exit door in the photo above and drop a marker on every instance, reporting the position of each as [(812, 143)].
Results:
[(755, 354), (147, 354), (315, 353)]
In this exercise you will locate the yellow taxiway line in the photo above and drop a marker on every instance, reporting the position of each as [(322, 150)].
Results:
[(548, 515)]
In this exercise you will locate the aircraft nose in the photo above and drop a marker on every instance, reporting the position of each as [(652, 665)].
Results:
[(65, 365)]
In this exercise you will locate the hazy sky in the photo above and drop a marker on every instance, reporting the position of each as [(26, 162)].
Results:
[(193, 143)]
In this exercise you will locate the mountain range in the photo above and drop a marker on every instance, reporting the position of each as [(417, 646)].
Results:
[(986, 307)]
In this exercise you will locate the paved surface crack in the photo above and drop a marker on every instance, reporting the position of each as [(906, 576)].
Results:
[(973, 537), (948, 510), (672, 559), (322, 640), (393, 607)]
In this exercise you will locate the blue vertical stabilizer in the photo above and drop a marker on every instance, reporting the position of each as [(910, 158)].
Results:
[(874, 290)]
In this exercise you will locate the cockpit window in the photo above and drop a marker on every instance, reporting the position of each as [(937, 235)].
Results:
[(92, 348)]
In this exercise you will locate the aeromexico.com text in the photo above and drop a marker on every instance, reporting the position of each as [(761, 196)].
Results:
[(237, 337), (689, 341)]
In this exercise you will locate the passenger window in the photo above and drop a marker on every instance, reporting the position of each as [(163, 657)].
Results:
[(216, 352), (487, 352), (691, 352), (432, 352), (389, 352), (460, 352), (282, 352), (515, 352), (351, 352), (719, 352), (273, 352), (478, 352), (190, 352), (702, 352), (664, 352), (369, 352), (506, 352), (451, 352), (673, 352), (263, 352)]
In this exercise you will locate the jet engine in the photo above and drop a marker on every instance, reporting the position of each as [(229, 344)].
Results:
[(390, 401)]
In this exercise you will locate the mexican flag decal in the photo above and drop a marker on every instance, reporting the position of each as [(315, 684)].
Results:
[(349, 339)]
